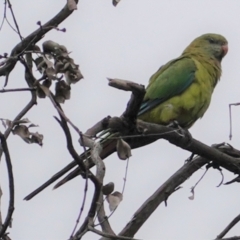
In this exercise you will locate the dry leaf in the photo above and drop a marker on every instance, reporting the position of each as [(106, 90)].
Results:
[(3, 123), (50, 46), (37, 138), (114, 200), (59, 99), (62, 91), (6, 122), (50, 72), (24, 120), (192, 197), (23, 132), (40, 93), (47, 83), (123, 149), (64, 50), (115, 2), (108, 188), (33, 125), (40, 64), (45, 90), (73, 76)]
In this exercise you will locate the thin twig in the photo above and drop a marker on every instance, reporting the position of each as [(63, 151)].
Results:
[(59, 109), (85, 191), (200, 179), (124, 185), (229, 227), (14, 19), (18, 90), (110, 236), (4, 14), (232, 238), (82, 166), (125, 177), (161, 194), (230, 117), (100, 173), (11, 186)]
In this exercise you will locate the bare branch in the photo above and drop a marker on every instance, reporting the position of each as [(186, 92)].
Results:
[(140, 135), (165, 190), (110, 236), (14, 19), (4, 14), (18, 90), (11, 186), (229, 227), (231, 238), (84, 196), (98, 127), (100, 207), (125, 85), (138, 92), (230, 117), (98, 196), (161, 195)]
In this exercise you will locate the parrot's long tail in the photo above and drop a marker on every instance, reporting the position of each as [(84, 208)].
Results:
[(108, 143), (109, 146)]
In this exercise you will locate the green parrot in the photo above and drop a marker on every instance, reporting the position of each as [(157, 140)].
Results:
[(180, 90)]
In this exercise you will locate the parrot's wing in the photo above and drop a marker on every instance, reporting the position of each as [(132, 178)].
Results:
[(169, 81)]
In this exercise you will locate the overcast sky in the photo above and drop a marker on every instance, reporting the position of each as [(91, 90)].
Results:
[(130, 42)]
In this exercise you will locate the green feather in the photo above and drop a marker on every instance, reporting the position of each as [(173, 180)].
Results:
[(170, 80)]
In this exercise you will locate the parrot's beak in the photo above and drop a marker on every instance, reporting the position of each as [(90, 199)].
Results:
[(225, 49)]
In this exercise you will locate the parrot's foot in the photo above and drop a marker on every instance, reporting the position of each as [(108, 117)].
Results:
[(182, 131), (190, 158), (187, 135), (174, 124)]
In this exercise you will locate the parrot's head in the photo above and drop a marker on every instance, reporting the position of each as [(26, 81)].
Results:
[(214, 45)]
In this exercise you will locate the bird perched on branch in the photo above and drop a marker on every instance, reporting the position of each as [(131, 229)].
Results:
[(180, 90)]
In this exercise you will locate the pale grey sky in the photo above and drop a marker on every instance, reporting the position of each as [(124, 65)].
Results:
[(130, 42)]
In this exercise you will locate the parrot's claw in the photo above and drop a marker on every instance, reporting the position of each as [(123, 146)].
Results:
[(189, 159), (182, 131), (174, 124), (187, 135)]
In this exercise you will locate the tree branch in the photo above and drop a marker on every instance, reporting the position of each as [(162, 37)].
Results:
[(229, 227), (32, 39), (140, 134), (11, 186)]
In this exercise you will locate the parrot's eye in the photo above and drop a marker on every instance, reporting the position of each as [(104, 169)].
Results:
[(211, 40)]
